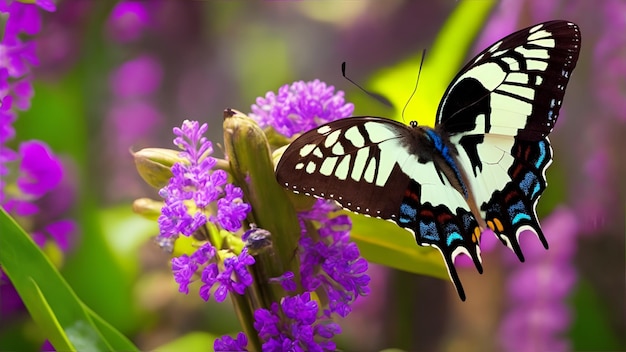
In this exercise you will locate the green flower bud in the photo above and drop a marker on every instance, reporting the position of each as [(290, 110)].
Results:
[(154, 165), (148, 208)]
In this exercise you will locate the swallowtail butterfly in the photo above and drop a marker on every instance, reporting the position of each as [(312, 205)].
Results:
[(482, 165)]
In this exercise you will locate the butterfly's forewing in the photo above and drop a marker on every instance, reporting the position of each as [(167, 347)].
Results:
[(516, 86), (352, 161), (499, 110)]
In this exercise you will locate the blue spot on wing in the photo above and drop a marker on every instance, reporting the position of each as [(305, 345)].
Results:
[(408, 214), (542, 154), (517, 212), (519, 217), (454, 236), (429, 231)]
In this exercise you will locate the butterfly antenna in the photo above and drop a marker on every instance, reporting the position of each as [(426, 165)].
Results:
[(381, 99), (416, 83)]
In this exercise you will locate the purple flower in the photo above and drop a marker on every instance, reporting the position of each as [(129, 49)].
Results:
[(40, 169), (300, 107), (333, 262), (538, 289), (233, 278), (292, 326), (139, 77), (228, 344)]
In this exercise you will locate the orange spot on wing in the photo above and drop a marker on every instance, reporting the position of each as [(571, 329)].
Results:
[(498, 225)]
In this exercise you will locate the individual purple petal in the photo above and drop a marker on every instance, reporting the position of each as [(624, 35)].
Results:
[(40, 169), (209, 278)]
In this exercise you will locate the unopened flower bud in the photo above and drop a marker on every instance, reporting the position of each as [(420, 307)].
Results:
[(154, 165)]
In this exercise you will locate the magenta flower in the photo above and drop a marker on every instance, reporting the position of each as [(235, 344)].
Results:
[(128, 20), (539, 315), (136, 78)]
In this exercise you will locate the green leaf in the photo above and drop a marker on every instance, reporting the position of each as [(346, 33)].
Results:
[(53, 305), (194, 341), (441, 64), (385, 243)]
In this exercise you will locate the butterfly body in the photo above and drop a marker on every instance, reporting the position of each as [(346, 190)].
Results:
[(481, 166)]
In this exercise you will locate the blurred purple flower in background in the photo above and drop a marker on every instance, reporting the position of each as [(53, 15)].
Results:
[(128, 20), (538, 315), (33, 188), (133, 114)]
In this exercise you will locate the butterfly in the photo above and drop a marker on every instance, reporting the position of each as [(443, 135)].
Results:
[(481, 167)]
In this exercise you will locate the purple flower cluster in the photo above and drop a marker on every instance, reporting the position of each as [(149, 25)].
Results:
[(539, 315), (333, 262), (228, 344), (38, 192), (17, 56), (300, 107), (233, 277), (293, 326), (194, 185), (39, 170)]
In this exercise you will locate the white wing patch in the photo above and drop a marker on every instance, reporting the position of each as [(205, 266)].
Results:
[(496, 158)]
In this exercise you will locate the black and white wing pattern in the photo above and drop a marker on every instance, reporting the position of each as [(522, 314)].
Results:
[(498, 112), (483, 165)]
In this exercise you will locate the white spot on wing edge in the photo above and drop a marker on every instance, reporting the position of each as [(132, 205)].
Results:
[(323, 130)]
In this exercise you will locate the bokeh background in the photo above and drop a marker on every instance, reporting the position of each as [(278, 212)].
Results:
[(117, 76)]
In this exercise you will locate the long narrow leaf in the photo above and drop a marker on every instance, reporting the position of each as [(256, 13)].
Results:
[(56, 309)]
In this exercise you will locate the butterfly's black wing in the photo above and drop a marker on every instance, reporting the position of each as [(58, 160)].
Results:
[(373, 166), (499, 110)]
